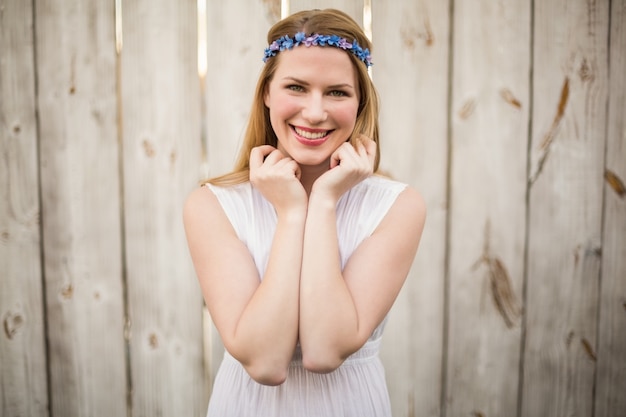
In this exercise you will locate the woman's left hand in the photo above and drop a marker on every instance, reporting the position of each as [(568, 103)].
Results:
[(349, 165)]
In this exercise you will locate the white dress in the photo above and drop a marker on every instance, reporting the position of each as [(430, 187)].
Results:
[(358, 387)]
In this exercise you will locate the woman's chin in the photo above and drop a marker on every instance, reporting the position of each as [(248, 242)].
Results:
[(313, 162)]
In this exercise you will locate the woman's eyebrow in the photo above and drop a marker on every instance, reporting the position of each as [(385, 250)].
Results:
[(299, 81)]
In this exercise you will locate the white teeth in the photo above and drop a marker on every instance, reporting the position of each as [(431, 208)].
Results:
[(310, 135)]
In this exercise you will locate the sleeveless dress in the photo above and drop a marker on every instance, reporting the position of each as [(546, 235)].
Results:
[(358, 387)]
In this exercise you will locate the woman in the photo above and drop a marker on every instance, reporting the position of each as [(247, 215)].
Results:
[(301, 251)]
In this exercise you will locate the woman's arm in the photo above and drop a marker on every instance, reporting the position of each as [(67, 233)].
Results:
[(340, 310), (257, 320)]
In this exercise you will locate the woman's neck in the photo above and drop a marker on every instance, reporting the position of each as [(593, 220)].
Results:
[(310, 173)]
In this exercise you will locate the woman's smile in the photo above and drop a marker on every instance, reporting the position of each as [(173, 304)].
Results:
[(311, 137)]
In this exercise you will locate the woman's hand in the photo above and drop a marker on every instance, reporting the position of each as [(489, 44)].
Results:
[(277, 177), (349, 165)]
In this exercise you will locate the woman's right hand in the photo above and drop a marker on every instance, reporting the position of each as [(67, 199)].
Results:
[(277, 177)]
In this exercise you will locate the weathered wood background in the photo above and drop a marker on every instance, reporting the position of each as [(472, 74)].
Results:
[(509, 116)]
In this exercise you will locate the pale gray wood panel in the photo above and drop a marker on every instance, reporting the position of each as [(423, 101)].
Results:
[(354, 8), (489, 119), (410, 55), (235, 59), (161, 153), (610, 400), (80, 193), (23, 378), (565, 222)]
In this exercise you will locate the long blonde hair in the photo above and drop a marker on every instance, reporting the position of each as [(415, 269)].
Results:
[(259, 129)]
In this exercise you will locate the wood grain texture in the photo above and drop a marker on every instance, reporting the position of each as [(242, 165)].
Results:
[(23, 379), (81, 207), (570, 86), (354, 8), (410, 69), (489, 119), (161, 152), (610, 400)]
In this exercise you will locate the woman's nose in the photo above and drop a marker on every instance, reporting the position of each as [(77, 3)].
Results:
[(314, 110)]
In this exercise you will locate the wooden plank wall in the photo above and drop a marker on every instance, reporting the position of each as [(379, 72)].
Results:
[(488, 139), (23, 382), (508, 116), (611, 343), (161, 143), (80, 206), (567, 153)]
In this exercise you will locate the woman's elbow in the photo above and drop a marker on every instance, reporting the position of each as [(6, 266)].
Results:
[(263, 367), (321, 364), (267, 375), (325, 358)]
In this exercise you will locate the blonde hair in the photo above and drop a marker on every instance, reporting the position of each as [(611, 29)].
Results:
[(259, 129)]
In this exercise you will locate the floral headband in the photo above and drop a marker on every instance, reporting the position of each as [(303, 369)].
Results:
[(285, 42)]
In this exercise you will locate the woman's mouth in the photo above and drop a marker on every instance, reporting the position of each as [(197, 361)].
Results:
[(311, 137)]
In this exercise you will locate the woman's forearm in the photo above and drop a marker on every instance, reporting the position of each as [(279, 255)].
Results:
[(328, 317), (267, 331)]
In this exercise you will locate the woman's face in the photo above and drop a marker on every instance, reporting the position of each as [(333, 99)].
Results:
[(313, 102)]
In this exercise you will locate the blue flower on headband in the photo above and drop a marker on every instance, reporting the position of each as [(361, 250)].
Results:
[(300, 38)]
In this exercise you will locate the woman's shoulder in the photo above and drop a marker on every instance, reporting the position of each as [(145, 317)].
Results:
[(211, 208), (383, 181), (380, 187), (374, 198), (239, 188), (200, 201), (402, 194), (208, 197)]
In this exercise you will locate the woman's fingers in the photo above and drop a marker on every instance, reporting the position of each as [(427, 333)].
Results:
[(267, 161), (277, 176), (361, 155), (258, 155), (366, 146)]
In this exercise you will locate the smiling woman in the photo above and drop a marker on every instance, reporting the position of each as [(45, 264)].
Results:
[(303, 248), (313, 102)]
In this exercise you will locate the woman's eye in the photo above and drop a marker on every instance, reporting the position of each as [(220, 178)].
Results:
[(295, 87), (337, 93)]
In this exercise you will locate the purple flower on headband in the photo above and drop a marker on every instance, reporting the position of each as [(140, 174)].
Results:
[(344, 44), (311, 40), (271, 50), (285, 42)]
